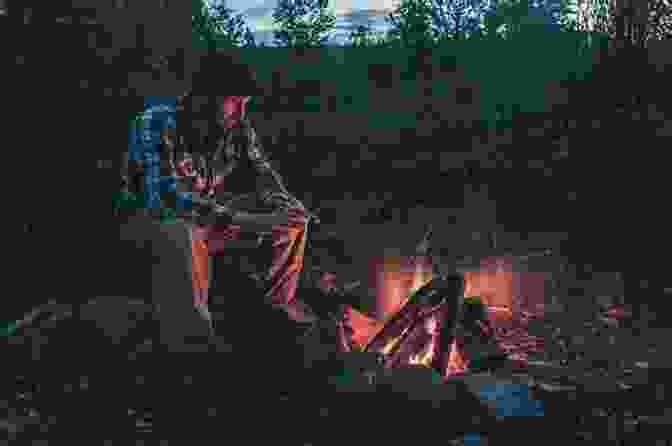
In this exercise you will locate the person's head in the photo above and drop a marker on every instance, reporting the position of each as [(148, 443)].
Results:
[(148, 74), (223, 111), (221, 90)]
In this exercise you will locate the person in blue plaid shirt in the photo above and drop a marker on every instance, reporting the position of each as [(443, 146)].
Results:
[(147, 139), (192, 155)]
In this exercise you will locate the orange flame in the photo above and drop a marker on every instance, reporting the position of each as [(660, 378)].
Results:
[(493, 283), (395, 278), (457, 363)]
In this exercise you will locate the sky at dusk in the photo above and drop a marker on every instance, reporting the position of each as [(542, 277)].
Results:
[(349, 13)]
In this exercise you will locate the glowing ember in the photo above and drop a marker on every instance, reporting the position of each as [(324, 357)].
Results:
[(498, 285), (493, 283), (457, 363), (393, 279), (512, 335)]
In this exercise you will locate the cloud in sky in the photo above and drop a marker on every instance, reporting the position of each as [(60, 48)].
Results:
[(339, 6)]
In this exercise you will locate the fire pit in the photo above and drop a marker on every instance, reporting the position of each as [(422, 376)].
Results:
[(390, 261)]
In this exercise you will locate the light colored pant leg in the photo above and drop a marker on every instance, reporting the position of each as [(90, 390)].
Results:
[(181, 327)]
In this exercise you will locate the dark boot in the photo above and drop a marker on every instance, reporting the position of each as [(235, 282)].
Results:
[(297, 311)]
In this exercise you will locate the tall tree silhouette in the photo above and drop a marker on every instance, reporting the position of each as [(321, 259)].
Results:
[(411, 24), (216, 25), (302, 23), (456, 19)]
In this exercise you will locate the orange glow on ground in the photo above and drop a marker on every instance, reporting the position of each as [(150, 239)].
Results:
[(504, 289)]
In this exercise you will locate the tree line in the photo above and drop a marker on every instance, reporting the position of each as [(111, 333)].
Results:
[(422, 23)]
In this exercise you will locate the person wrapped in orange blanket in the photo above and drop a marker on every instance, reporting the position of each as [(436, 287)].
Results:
[(219, 156)]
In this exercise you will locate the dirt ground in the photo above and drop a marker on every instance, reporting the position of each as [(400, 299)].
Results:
[(596, 379)]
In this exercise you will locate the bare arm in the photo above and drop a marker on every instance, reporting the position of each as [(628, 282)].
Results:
[(269, 182)]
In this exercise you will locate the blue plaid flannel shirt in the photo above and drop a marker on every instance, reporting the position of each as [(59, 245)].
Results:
[(145, 148)]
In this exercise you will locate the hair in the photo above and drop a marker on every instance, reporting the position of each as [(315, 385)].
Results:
[(221, 74), (188, 138)]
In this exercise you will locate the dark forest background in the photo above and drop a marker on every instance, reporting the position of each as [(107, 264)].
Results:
[(591, 161)]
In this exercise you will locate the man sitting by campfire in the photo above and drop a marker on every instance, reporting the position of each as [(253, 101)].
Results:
[(198, 154)]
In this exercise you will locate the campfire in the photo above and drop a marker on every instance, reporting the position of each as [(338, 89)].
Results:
[(510, 292)]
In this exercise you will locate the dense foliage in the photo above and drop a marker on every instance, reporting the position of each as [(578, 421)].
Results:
[(307, 23), (217, 25), (302, 23)]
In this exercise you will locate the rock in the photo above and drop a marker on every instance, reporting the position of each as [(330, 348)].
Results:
[(319, 345), (349, 382), (116, 316), (409, 378), (360, 361)]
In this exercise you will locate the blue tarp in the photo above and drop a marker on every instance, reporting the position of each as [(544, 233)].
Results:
[(509, 400)]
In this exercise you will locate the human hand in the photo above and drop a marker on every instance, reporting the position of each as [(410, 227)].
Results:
[(221, 214), (212, 212)]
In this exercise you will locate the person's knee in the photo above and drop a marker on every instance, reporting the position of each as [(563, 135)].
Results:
[(169, 239), (135, 229), (127, 274)]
